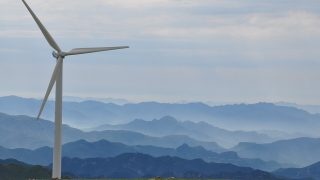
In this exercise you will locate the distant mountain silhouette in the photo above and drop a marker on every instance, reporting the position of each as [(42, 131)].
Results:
[(40, 156), (201, 130), (134, 165), (260, 116), (27, 132), (314, 109), (103, 149), (299, 151), (312, 172)]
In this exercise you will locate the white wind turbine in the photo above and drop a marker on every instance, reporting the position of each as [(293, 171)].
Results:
[(57, 78)]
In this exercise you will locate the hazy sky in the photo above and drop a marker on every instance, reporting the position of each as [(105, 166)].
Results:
[(193, 50)]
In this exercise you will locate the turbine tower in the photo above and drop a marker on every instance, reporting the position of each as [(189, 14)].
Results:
[(57, 79)]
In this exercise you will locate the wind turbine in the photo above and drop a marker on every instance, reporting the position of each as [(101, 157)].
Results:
[(57, 79)]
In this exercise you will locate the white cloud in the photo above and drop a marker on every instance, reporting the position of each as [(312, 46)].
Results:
[(246, 27), (210, 42), (158, 19)]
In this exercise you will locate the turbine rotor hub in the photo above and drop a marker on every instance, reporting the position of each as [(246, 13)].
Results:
[(58, 54), (55, 54)]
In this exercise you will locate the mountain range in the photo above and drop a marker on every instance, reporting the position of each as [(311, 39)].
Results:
[(104, 149), (135, 165), (27, 132), (309, 172), (199, 130), (260, 116), (185, 131), (300, 151)]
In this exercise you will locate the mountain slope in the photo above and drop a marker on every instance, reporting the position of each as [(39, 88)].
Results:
[(312, 171), (139, 165), (201, 130), (103, 149), (132, 166), (26, 132), (14, 170), (260, 116), (40, 156), (299, 151)]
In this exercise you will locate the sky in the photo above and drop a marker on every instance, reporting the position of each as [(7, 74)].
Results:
[(220, 51)]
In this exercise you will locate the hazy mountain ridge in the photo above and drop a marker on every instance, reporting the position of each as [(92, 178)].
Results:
[(104, 149), (314, 109), (135, 165), (27, 132), (309, 172), (199, 130), (117, 101), (260, 116), (299, 151)]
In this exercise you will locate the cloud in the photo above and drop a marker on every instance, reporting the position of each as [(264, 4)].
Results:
[(247, 27), (210, 42), (162, 19)]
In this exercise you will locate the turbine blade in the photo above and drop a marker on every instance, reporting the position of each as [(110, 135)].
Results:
[(44, 31), (92, 50), (52, 81)]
